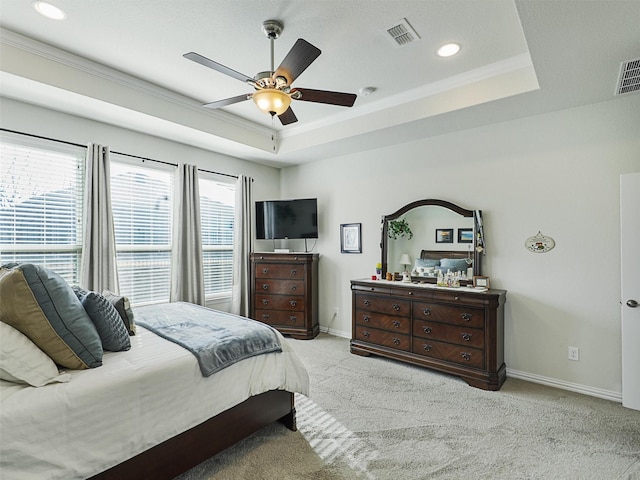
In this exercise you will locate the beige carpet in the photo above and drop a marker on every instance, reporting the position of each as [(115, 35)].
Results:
[(372, 418)]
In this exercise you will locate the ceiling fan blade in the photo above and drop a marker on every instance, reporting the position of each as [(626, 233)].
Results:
[(288, 117), (301, 55), (324, 96), (216, 66), (228, 101)]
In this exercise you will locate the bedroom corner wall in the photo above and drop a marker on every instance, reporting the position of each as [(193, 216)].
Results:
[(557, 173)]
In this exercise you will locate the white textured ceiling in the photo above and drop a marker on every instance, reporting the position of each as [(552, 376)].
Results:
[(122, 59)]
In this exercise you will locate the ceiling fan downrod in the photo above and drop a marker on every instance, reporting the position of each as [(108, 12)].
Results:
[(272, 29)]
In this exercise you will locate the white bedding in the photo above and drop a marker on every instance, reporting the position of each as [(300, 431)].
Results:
[(134, 401)]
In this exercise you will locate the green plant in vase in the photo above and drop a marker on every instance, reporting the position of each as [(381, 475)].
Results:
[(399, 228)]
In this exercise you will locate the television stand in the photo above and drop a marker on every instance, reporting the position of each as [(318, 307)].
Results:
[(284, 292)]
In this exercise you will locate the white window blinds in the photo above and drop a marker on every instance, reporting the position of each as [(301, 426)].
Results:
[(142, 198), (41, 185), (217, 212)]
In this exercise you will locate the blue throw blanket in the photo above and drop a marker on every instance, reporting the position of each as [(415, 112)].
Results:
[(217, 339)]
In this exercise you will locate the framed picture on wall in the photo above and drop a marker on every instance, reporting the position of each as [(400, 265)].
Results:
[(351, 238), (465, 235), (444, 235)]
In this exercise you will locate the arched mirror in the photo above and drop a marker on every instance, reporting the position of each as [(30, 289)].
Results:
[(426, 236)]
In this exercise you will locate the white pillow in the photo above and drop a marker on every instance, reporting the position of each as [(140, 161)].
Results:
[(21, 361)]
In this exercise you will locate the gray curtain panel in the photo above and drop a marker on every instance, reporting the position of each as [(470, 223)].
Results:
[(98, 269), (242, 246), (187, 276)]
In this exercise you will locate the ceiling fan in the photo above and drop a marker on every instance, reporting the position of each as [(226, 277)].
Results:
[(273, 90)]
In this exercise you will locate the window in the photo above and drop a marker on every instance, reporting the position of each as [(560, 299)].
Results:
[(142, 199), (217, 201), (41, 185)]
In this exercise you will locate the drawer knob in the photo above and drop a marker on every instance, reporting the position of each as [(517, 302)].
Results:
[(265, 316), (396, 341), (396, 307), (426, 311), (293, 303), (466, 356), (265, 271), (265, 286), (294, 272), (426, 348), (293, 319), (466, 337), (466, 317), (396, 324), (366, 334), (366, 318), (265, 301), (456, 298), (292, 287), (366, 303), (426, 329)]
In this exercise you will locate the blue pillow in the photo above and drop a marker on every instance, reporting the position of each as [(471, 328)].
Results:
[(105, 317), (453, 264), (425, 263), (40, 304)]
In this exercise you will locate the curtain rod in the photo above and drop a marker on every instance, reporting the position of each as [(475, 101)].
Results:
[(117, 153)]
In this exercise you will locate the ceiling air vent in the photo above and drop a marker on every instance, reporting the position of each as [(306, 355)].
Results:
[(629, 77), (401, 33)]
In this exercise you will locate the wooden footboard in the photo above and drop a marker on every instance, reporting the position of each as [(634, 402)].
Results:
[(184, 451)]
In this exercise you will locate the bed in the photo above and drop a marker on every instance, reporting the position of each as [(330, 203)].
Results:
[(144, 413)]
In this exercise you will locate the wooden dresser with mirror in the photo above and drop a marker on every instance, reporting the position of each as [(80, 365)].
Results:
[(454, 330)]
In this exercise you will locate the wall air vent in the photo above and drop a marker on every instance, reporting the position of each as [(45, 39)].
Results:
[(401, 33), (629, 77)]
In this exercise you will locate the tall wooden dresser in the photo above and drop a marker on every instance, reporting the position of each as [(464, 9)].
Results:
[(285, 292), (453, 330)]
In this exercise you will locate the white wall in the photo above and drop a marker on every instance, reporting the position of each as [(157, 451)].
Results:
[(557, 173), (48, 123)]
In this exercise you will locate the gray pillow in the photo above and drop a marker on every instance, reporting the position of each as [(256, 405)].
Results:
[(453, 264), (123, 306), (40, 304), (105, 317)]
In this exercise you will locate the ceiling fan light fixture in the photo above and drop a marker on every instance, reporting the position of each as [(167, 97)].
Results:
[(272, 101)]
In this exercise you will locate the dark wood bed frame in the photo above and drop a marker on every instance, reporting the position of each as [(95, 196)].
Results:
[(186, 450)]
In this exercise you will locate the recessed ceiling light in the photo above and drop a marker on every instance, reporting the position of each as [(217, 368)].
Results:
[(49, 10), (449, 49)]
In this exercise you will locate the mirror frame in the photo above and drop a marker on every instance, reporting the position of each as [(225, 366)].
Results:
[(478, 234)]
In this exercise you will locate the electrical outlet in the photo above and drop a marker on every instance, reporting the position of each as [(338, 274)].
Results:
[(574, 354)]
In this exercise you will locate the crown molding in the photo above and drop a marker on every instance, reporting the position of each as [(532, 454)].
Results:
[(85, 65)]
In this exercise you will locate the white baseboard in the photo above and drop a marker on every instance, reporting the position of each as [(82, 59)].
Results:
[(563, 385), (335, 333), (530, 377)]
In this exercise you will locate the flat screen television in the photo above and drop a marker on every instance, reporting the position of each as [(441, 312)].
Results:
[(287, 219)]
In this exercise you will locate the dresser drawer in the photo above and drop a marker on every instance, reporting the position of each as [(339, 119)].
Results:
[(280, 302), (274, 270), (472, 337), (280, 318), (470, 357), (280, 287), (383, 304), (471, 317), (384, 322), (384, 338)]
